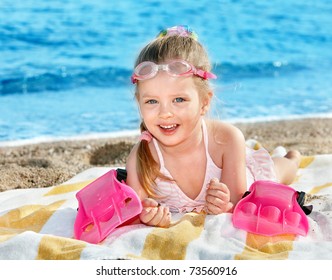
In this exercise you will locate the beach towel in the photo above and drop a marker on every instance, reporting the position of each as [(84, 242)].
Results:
[(37, 224)]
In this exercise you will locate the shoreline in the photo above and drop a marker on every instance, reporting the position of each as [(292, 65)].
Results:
[(135, 132), (51, 163)]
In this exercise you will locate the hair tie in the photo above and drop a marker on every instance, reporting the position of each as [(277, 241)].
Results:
[(145, 135), (180, 30)]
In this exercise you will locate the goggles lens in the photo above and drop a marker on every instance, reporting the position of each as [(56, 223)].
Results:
[(148, 69), (145, 69), (179, 68)]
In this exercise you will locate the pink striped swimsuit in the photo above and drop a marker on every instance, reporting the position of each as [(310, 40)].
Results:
[(258, 168)]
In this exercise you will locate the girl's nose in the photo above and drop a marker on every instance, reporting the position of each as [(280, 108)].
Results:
[(165, 111)]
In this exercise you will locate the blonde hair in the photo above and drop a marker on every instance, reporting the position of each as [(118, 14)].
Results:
[(159, 50)]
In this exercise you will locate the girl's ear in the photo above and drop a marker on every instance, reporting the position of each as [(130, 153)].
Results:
[(206, 103)]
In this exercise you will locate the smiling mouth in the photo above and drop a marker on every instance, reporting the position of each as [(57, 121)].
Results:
[(170, 127)]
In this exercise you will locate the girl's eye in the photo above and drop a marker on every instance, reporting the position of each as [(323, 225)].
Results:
[(151, 101), (179, 99)]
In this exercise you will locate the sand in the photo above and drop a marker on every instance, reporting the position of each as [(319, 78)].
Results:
[(48, 164)]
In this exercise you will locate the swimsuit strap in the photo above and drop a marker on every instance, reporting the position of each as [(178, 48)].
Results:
[(206, 138), (160, 155)]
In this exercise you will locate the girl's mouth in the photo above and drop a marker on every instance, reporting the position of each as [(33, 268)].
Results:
[(168, 129)]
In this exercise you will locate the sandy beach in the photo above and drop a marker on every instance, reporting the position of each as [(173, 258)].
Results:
[(47, 164)]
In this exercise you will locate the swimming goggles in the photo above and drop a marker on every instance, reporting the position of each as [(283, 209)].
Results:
[(176, 68)]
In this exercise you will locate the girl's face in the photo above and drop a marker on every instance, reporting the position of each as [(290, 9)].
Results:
[(171, 107)]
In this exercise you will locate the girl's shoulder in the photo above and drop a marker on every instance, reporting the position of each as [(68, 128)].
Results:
[(225, 140), (222, 133)]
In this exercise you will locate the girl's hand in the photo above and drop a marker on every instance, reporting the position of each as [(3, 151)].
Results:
[(218, 198), (153, 214)]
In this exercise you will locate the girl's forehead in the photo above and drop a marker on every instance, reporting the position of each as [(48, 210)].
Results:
[(163, 84)]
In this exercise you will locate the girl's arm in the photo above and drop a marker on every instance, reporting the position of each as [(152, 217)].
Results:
[(229, 150), (152, 214), (234, 164), (132, 176)]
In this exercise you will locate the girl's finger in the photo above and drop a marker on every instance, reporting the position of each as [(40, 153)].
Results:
[(219, 186), (212, 209), (149, 202), (157, 218), (216, 201), (148, 214), (218, 194), (166, 220)]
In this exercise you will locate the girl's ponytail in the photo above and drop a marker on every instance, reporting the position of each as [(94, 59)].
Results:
[(147, 168)]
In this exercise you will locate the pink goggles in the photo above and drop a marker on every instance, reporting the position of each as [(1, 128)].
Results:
[(176, 68)]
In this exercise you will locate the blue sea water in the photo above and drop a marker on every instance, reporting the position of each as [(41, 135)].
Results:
[(65, 65)]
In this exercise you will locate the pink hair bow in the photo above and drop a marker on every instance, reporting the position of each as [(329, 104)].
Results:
[(181, 30), (145, 135)]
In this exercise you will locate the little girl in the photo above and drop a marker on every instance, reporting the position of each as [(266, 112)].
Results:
[(183, 161)]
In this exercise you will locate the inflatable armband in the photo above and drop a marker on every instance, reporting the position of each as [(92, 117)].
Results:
[(270, 209), (103, 205)]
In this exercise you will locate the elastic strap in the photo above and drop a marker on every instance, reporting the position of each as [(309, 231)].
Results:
[(300, 200)]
